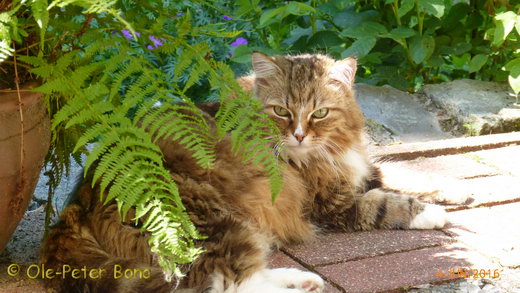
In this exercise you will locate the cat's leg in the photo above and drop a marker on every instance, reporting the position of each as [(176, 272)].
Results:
[(235, 261), (376, 209), (379, 208)]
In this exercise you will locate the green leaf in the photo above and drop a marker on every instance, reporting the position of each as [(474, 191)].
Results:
[(298, 8), (366, 30), (324, 39), (505, 24), (242, 54), (477, 62), (457, 49), (432, 7), (293, 7), (269, 15), (460, 61), (245, 6), (421, 48), (454, 15), (353, 19), (359, 48), (513, 66), (400, 33), (406, 6)]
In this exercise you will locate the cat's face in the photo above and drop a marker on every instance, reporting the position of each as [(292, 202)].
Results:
[(311, 99)]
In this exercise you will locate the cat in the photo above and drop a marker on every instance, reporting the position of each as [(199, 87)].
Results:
[(329, 185)]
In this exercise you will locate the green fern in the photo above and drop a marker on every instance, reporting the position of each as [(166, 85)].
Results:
[(122, 104)]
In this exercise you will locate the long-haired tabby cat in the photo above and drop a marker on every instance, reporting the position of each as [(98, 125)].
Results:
[(330, 185)]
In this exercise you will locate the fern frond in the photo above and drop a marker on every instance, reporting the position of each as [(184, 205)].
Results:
[(250, 129), (41, 15)]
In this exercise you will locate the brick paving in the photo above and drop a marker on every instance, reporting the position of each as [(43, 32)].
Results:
[(483, 232)]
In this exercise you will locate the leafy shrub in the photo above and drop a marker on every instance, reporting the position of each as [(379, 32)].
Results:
[(405, 43)]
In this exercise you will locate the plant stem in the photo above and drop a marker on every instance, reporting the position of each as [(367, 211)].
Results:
[(420, 16), (313, 17), (34, 45), (21, 184), (395, 9)]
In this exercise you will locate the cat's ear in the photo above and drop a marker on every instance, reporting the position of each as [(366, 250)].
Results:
[(344, 71), (264, 66)]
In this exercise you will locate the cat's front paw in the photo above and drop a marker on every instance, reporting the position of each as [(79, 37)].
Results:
[(296, 279), (431, 217)]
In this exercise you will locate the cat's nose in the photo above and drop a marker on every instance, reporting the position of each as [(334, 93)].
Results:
[(299, 138)]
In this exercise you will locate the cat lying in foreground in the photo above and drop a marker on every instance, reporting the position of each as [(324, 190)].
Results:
[(330, 185)]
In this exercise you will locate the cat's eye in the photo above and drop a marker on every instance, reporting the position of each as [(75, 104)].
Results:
[(281, 111), (321, 113)]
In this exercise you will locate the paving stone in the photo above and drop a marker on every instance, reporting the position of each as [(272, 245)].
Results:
[(399, 112), (479, 106), (452, 146), (506, 159), (493, 231), (492, 189), (281, 260), (340, 247), (454, 166), (405, 269), (455, 193), (435, 179)]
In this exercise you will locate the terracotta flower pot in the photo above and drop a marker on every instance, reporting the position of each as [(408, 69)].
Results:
[(15, 194)]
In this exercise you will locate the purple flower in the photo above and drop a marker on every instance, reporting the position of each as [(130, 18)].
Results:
[(225, 17), (156, 41), (150, 47), (180, 13), (238, 42), (128, 34)]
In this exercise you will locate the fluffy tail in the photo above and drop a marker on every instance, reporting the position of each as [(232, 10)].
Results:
[(90, 250)]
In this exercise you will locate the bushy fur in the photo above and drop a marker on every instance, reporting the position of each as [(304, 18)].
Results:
[(330, 185)]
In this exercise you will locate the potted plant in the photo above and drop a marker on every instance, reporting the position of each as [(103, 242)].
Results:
[(25, 125), (118, 75)]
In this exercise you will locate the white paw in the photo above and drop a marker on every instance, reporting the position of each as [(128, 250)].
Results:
[(294, 278), (432, 217)]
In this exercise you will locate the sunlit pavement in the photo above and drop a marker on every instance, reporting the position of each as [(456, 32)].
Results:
[(483, 236)]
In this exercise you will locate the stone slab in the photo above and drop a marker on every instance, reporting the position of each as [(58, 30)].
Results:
[(281, 260), (493, 231), (453, 166), (506, 159), (444, 147), (479, 106), (491, 190), (465, 180), (405, 269), (340, 247), (436, 179), (399, 113)]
